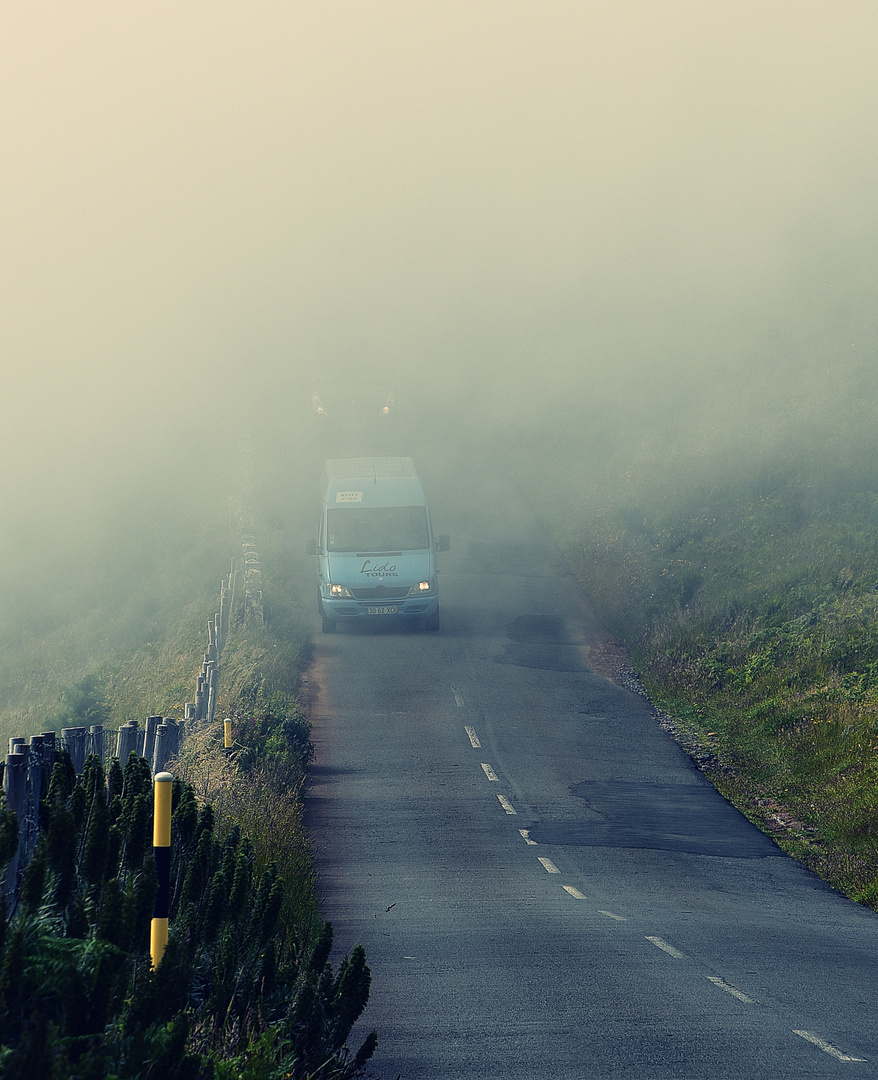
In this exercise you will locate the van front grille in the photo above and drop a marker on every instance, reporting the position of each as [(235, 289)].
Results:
[(381, 592)]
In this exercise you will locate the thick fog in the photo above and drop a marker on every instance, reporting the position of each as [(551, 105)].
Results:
[(522, 211)]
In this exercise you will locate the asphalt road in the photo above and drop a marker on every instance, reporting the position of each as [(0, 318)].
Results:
[(544, 884)]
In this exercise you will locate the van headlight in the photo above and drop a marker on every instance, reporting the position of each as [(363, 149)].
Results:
[(337, 592), (422, 588)]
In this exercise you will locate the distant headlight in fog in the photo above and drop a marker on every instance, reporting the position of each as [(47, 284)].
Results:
[(337, 592)]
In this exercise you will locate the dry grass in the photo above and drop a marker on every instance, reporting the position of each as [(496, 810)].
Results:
[(264, 802)]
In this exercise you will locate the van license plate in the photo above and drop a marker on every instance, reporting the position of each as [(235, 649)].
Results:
[(382, 610)]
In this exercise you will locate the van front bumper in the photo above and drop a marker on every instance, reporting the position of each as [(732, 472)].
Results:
[(420, 606)]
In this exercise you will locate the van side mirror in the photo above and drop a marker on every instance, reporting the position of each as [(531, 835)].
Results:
[(443, 542), (311, 547)]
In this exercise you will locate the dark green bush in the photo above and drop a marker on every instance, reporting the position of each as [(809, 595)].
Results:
[(236, 993)]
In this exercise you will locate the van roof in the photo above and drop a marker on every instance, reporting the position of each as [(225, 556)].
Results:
[(379, 481), (369, 468)]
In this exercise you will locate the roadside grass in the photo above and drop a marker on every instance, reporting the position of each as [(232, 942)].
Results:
[(256, 789), (125, 640)]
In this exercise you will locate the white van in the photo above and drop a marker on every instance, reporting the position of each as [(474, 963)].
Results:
[(375, 546)]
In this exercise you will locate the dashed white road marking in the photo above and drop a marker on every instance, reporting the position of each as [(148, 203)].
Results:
[(458, 697), (574, 892), (669, 949), (549, 866), (826, 1047), (473, 738), (526, 835), (612, 915), (729, 989), (506, 804), (489, 772)]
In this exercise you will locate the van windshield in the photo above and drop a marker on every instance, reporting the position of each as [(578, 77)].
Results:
[(377, 528)]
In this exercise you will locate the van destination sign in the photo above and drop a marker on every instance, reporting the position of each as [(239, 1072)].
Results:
[(384, 570)]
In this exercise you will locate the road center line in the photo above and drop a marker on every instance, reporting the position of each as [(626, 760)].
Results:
[(473, 738), (458, 697), (506, 804), (489, 772), (669, 949), (574, 892), (611, 915), (549, 866), (826, 1047), (729, 989), (526, 836)]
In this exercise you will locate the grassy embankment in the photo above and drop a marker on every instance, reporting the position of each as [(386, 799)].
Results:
[(113, 630), (745, 586), (116, 629)]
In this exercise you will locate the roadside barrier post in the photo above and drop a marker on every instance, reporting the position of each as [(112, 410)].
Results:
[(148, 748), (199, 699), (211, 690), (128, 739), (161, 844), (95, 741), (37, 783), (73, 741), (161, 748), (227, 734), (15, 792)]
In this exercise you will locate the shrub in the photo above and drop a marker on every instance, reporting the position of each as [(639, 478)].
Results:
[(239, 992)]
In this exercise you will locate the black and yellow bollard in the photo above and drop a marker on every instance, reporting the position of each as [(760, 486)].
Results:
[(161, 846)]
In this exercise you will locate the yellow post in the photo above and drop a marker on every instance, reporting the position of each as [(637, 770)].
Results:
[(161, 845), (227, 730)]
